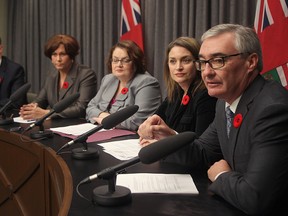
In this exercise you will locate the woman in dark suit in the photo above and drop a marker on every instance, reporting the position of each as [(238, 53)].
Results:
[(129, 83), (68, 78), (187, 107)]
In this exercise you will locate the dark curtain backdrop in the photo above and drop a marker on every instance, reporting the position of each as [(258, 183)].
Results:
[(96, 24)]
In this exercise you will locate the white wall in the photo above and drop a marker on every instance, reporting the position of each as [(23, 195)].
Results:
[(3, 21)]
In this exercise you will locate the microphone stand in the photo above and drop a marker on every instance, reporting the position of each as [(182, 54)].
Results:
[(84, 153), (42, 133), (5, 121), (111, 194)]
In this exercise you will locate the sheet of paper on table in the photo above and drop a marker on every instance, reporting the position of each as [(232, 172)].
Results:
[(158, 183), (21, 120), (75, 130), (122, 149)]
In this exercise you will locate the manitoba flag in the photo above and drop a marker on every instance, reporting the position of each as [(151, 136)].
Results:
[(271, 25), (131, 25)]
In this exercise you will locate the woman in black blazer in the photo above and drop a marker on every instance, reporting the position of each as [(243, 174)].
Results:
[(187, 107)]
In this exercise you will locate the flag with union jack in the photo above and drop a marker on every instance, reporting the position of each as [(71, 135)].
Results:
[(271, 25), (131, 25)]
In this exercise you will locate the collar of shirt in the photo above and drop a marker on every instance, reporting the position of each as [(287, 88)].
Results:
[(234, 105)]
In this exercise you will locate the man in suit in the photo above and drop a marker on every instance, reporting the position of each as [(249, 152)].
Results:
[(248, 163), (12, 77)]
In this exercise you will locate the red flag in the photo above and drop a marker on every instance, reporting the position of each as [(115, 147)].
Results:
[(271, 25), (131, 26)]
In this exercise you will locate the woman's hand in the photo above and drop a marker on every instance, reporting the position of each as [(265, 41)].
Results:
[(100, 118), (32, 111)]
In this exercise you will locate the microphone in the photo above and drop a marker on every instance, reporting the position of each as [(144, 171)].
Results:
[(156, 151), (147, 155), (19, 93), (116, 118), (107, 123), (58, 107)]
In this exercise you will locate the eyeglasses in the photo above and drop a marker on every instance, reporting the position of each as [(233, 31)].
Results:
[(214, 63), (122, 61)]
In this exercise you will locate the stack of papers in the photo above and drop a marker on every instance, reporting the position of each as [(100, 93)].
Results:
[(123, 149), (21, 120), (74, 130), (157, 183)]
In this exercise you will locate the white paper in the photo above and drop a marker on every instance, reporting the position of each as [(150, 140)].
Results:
[(75, 130), (122, 149), (157, 183), (21, 120)]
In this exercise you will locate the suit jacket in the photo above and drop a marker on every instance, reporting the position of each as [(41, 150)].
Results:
[(79, 79), (143, 90), (195, 116), (256, 150), (12, 77)]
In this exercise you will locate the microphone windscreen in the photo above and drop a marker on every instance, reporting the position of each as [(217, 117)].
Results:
[(67, 101), (21, 92), (162, 148), (116, 118)]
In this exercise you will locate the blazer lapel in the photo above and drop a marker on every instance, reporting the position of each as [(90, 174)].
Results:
[(69, 81), (123, 97), (242, 109), (3, 68)]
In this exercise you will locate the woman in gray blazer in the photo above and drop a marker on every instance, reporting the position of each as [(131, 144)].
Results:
[(129, 83), (68, 78)]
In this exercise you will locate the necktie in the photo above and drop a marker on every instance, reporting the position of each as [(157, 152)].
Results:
[(229, 116)]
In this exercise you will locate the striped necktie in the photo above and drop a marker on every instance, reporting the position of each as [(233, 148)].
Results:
[(229, 116)]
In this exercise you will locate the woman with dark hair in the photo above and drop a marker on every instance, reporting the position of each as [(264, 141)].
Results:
[(187, 107), (68, 78), (129, 83)]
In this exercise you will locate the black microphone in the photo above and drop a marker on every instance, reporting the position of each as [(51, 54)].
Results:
[(116, 194), (149, 154), (18, 94), (116, 118), (107, 123), (154, 152), (58, 107)]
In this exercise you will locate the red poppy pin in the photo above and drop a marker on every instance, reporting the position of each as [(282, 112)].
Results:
[(124, 90), (1, 79), (237, 120), (65, 85), (185, 100)]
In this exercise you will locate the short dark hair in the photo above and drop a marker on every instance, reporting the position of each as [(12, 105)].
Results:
[(134, 52), (70, 43), (0, 41)]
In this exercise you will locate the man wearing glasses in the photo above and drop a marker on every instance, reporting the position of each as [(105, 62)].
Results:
[(246, 157)]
